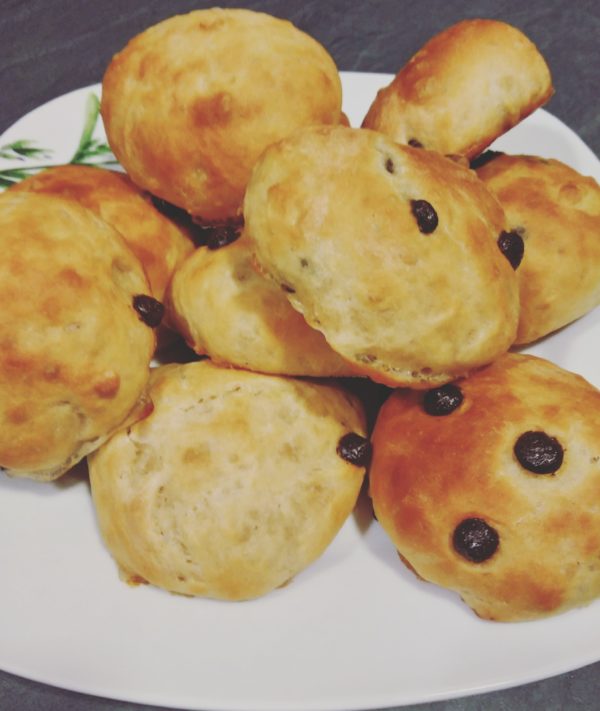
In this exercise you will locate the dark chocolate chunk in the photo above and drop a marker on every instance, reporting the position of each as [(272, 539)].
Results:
[(425, 215), (355, 449), (539, 453), (389, 166), (414, 143), (512, 247), (475, 540), (149, 310), (443, 400)]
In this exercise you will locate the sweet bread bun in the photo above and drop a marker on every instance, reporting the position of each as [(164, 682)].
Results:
[(489, 487), (191, 103), (157, 242), (556, 211), (232, 485), (464, 88), (75, 353), (226, 310), (390, 251)]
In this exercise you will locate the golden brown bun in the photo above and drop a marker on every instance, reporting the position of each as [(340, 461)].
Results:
[(330, 213), (557, 213), (191, 103), (226, 310), (431, 473), (231, 486), (463, 88), (156, 241), (74, 354)]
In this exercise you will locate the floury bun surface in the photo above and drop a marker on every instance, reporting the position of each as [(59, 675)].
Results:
[(489, 486), (556, 211), (225, 309), (74, 355), (390, 251), (232, 485), (190, 103), (158, 243), (465, 87)]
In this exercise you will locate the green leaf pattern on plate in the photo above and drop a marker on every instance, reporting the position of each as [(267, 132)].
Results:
[(89, 151)]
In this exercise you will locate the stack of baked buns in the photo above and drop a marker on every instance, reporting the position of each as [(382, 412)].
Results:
[(298, 257)]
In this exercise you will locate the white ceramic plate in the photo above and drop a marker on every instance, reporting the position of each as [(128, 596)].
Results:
[(355, 630)]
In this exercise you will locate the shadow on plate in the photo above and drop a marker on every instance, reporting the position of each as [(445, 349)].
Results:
[(77, 476)]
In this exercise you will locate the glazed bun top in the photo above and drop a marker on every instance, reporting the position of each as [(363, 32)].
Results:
[(390, 251), (225, 309), (191, 103), (232, 485), (74, 352), (488, 486), (556, 212), (156, 241), (465, 87)]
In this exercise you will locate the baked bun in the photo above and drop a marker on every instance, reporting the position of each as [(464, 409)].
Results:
[(191, 103), (389, 250), (226, 310), (75, 355), (495, 495), (232, 485), (556, 211), (157, 242), (464, 88)]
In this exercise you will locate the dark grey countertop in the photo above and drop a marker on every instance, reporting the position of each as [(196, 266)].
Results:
[(52, 46)]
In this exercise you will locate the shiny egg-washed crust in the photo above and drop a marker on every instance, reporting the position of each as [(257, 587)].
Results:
[(465, 87), (225, 309), (157, 242), (231, 486), (329, 213), (191, 103), (429, 473), (557, 212), (74, 355)]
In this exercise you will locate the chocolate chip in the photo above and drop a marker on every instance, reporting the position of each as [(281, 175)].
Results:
[(149, 310), (443, 400), (425, 215), (539, 453), (484, 158), (288, 289), (389, 166), (512, 247), (215, 235), (354, 449), (475, 540), (414, 143)]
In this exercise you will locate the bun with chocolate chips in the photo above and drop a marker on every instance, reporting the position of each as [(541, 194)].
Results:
[(465, 87), (190, 103), (555, 212), (489, 486), (390, 251), (234, 483), (75, 337)]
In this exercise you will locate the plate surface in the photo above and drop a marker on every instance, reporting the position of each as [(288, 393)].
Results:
[(355, 630)]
